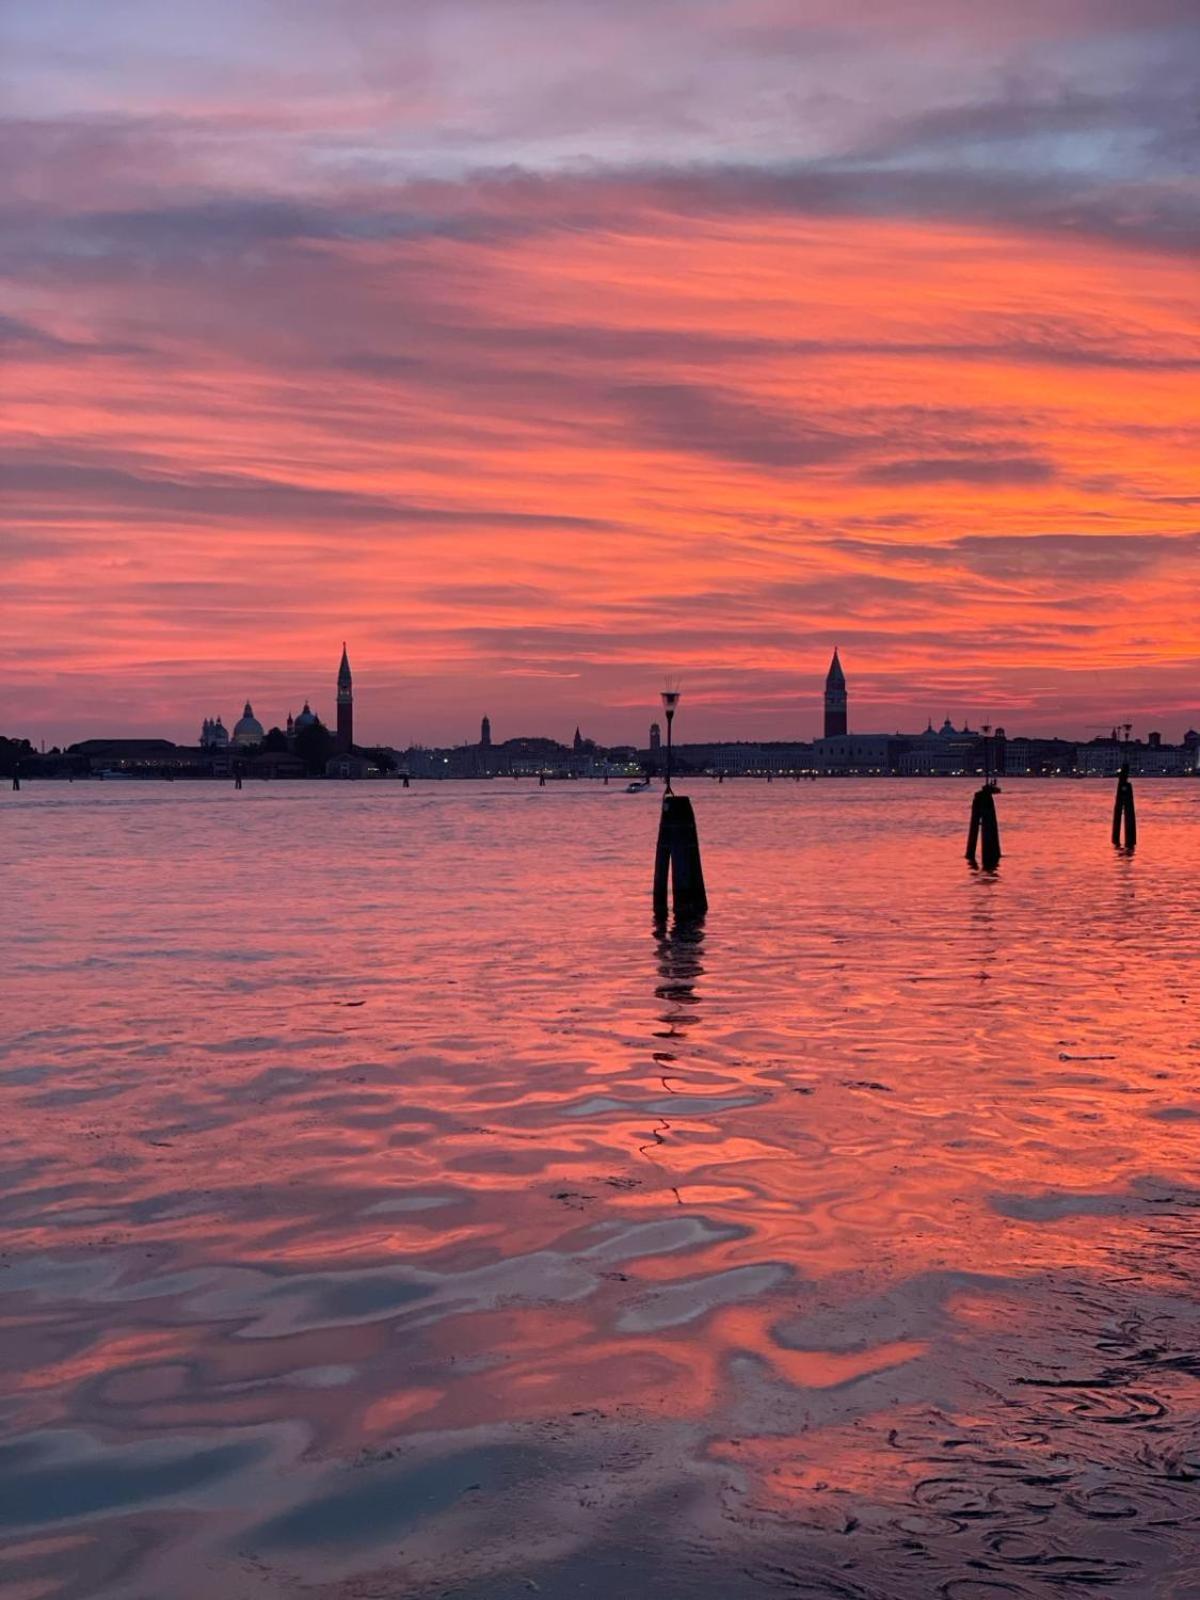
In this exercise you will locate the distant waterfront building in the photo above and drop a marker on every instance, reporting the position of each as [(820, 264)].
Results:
[(247, 730), (836, 725), (345, 705), (740, 758), (145, 757), (945, 752), (577, 743), (655, 736), (485, 734), (213, 734), (1035, 758), (858, 753), (1161, 760), (307, 719)]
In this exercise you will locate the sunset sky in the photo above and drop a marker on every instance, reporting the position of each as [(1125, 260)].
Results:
[(541, 347)]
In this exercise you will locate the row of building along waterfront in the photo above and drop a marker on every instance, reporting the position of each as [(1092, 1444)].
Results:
[(305, 747)]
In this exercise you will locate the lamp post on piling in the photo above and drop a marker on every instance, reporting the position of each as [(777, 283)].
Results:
[(670, 700), (677, 857)]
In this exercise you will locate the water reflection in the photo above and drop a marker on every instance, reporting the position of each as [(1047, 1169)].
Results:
[(354, 1242), (679, 948)]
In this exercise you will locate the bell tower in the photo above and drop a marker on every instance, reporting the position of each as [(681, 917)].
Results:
[(345, 706), (835, 699)]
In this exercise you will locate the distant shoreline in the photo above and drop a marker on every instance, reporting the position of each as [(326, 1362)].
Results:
[(532, 778)]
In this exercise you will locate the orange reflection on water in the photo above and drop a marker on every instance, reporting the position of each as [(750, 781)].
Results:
[(395, 1194)]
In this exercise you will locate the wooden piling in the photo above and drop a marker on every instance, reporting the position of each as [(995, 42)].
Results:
[(983, 836), (1124, 814), (678, 857)]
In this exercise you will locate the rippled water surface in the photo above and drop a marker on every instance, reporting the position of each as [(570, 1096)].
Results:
[(388, 1211)]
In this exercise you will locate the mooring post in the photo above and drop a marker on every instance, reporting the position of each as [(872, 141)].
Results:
[(541, 780), (983, 836), (678, 857), (16, 782), (1124, 813), (406, 780), (237, 780)]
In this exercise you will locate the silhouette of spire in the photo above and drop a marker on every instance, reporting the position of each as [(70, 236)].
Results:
[(836, 723)]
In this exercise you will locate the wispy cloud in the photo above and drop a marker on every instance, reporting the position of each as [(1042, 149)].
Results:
[(538, 343)]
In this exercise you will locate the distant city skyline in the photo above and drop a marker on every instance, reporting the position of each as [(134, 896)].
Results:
[(537, 361), (706, 715)]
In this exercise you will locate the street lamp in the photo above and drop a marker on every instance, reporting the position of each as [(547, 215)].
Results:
[(670, 700)]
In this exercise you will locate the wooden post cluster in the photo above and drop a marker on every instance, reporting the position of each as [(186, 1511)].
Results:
[(983, 837), (1124, 815), (678, 857)]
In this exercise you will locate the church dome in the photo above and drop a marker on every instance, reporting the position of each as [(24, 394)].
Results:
[(306, 719), (248, 729)]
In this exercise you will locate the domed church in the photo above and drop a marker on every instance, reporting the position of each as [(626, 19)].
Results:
[(247, 730)]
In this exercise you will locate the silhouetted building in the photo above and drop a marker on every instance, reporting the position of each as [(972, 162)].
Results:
[(276, 764), (247, 730), (858, 753), (485, 734), (835, 700), (351, 765), (345, 706), (213, 734), (945, 752), (577, 743), (741, 758), (125, 754), (655, 736)]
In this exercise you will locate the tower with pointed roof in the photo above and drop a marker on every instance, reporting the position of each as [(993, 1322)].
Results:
[(835, 699), (345, 706)]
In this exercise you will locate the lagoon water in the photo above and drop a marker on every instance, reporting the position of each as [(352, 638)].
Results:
[(388, 1211)]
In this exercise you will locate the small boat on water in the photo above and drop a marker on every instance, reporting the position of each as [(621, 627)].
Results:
[(637, 786)]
